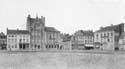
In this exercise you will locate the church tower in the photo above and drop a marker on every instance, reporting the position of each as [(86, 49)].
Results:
[(36, 28)]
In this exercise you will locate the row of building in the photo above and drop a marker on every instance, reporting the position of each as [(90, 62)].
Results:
[(39, 37)]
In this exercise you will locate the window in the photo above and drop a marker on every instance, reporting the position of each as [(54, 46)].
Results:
[(111, 33), (60, 47), (52, 46), (15, 46), (38, 46), (24, 40), (85, 41), (9, 36), (101, 35), (46, 46), (108, 40), (108, 34), (20, 40), (12, 35), (12, 46), (49, 46), (27, 40), (104, 34), (35, 46), (55, 46), (97, 36)]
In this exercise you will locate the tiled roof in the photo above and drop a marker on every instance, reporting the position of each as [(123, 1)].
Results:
[(51, 29), (17, 32)]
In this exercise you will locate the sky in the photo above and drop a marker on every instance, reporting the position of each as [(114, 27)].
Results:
[(67, 16)]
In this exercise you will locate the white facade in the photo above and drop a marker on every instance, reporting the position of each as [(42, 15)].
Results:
[(107, 39), (53, 41), (83, 40), (122, 42), (67, 45), (14, 42)]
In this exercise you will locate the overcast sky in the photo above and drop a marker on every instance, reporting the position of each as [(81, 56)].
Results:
[(65, 15)]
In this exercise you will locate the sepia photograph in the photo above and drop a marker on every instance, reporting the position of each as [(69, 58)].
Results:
[(62, 34)]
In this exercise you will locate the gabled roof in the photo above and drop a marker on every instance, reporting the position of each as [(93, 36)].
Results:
[(17, 32), (51, 29), (66, 38), (2, 34)]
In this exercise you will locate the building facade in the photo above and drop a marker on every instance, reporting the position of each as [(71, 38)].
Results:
[(66, 42), (83, 40), (3, 41), (18, 40), (36, 28), (52, 39), (107, 38), (122, 42), (43, 37)]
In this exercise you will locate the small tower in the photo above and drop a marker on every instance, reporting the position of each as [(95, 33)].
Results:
[(43, 20), (29, 16), (28, 22)]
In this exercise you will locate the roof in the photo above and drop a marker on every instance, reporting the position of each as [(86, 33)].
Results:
[(2, 34), (51, 29), (34, 20), (66, 38), (84, 33), (116, 28), (17, 32)]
